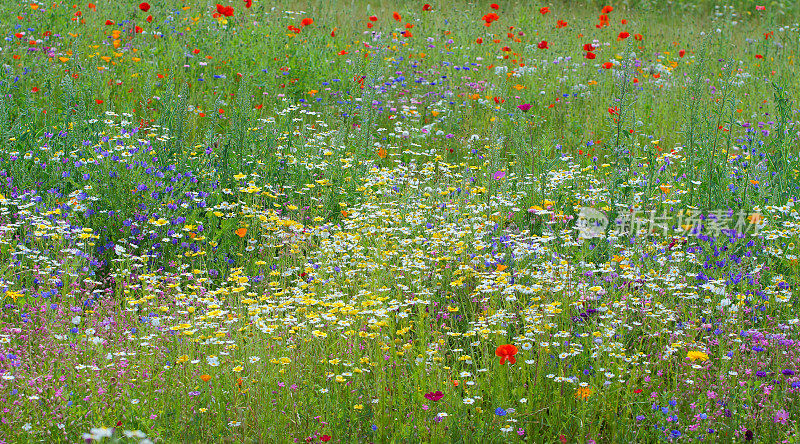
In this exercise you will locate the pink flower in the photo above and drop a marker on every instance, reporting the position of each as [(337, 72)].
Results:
[(524, 107), (425, 407), (781, 416), (499, 175), (760, 8)]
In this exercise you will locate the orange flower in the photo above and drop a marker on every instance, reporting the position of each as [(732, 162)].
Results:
[(382, 152), (307, 21), (241, 232), (396, 16), (205, 378), (583, 392), (506, 352)]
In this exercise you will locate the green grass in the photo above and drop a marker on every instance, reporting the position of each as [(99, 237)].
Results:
[(222, 230)]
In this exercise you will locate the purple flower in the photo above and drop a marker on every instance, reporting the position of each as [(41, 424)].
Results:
[(761, 374), (524, 107), (499, 175), (788, 372)]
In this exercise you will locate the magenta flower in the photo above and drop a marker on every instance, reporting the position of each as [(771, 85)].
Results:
[(524, 107), (434, 396), (499, 175)]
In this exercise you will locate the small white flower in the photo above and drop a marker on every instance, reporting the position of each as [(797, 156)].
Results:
[(27, 427), (469, 401), (523, 400), (134, 434), (134, 401)]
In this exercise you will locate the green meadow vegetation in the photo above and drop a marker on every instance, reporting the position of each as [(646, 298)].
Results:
[(401, 222)]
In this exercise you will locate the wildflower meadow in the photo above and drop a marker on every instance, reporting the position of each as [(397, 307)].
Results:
[(370, 221)]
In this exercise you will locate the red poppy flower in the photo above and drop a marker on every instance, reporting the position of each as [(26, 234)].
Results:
[(588, 47), (373, 18), (144, 6), (506, 352), (681, 53), (35, 89), (561, 24), (227, 11), (590, 55), (608, 65), (426, 7), (325, 438), (505, 49), (759, 56), (607, 9), (109, 23), (343, 52), (544, 10), (397, 16), (369, 25), (623, 35), (479, 40), (624, 22), (98, 101), (149, 18), (307, 21), (638, 37), (92, 6), (407, 34), (614, 110), (138, 29), (543, 45), (248, 3), (637, 391), (494, 6), (409, 26)]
